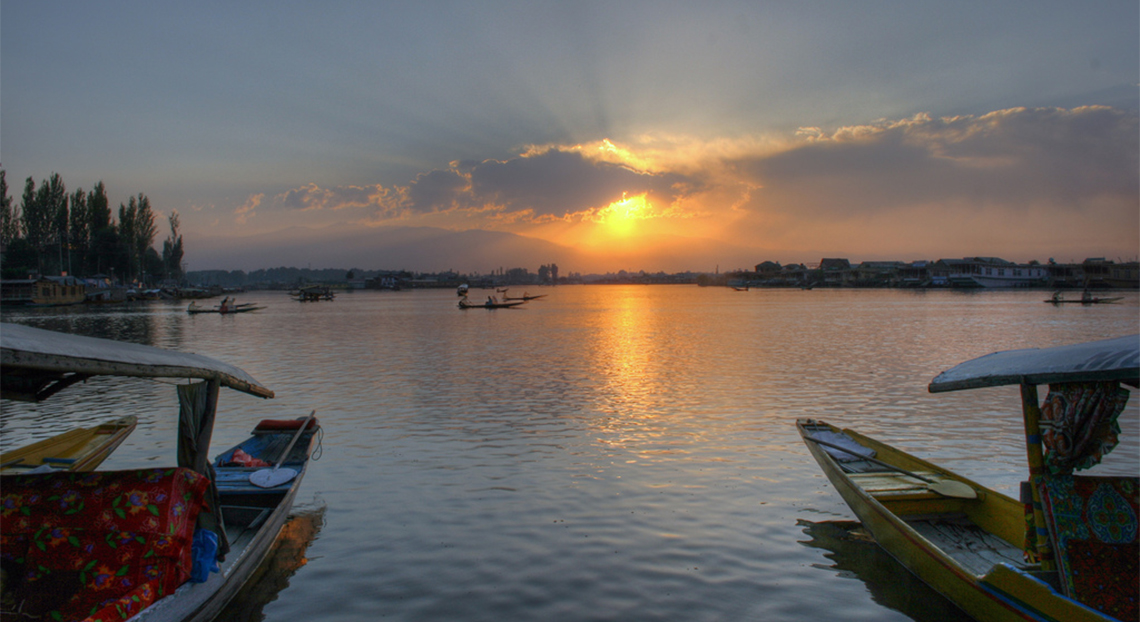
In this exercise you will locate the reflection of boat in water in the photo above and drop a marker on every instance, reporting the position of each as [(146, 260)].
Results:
[(1077, 560), (854, 554), (285, 558), (181, 520), (490, 304), (80, 449)]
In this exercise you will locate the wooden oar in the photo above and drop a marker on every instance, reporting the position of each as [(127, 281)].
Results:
[(268, 478), (946, 488)]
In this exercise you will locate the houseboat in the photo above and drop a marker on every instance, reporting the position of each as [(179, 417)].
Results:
[(44, 291)]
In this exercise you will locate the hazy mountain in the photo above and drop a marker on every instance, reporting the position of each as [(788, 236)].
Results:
[(427, 249), (420, 249)]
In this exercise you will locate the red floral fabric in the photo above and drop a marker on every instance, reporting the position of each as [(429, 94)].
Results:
[(104, 535), (1096, 534), (1079, 424)]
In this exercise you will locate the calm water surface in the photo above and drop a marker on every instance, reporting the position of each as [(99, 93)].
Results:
[(604, 453)]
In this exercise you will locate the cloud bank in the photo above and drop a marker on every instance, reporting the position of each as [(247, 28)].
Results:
[(1025, 183)]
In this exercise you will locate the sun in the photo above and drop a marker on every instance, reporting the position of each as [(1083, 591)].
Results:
[(620, 218)]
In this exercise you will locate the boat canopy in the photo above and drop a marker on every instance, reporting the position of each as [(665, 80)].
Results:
[(37, 363), (1108, 360)]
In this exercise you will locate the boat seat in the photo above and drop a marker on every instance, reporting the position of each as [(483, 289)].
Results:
[(893, 484)]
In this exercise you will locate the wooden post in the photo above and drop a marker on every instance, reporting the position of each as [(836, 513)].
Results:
[(1032, 415)]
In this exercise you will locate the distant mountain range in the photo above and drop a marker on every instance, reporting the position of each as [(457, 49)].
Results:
[(427, 249)]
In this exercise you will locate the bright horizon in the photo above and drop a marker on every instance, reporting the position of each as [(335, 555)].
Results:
[(635, 136)]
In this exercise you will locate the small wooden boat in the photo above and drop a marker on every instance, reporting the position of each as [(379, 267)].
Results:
[(197, 530), (313, 293), (1092, 300), (464, 304), (226, 310), (1076, 560), (80, 449), (525, 297)]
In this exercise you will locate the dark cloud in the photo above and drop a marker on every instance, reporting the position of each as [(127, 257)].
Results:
[(1013, 158), (561, 182), (435, 190)]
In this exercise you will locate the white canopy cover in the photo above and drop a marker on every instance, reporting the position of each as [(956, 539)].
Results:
[(1112, 359)]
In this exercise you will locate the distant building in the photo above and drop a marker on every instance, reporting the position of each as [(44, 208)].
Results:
[(44, 291)]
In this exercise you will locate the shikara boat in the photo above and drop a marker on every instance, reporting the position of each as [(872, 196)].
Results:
[(1068, 550), (244, 307), (525, 297), (464, 304), (1084, 300), (166, 543), (79, 449)]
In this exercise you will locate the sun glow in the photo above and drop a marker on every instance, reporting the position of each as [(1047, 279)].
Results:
[(621, 217)]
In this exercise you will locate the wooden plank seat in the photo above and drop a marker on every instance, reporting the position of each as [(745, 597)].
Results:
[(75, 544)]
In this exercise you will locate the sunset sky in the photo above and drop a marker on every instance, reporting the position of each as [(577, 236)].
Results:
[(631, 135)]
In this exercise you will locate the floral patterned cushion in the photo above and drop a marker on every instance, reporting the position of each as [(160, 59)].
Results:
[(96, 538)]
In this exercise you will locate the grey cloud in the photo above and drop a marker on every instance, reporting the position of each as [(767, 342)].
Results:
[(1015, 158), (561, 182)]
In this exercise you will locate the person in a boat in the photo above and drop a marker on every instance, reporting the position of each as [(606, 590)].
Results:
[(1057, 296), (1086, 296), (490, 300)]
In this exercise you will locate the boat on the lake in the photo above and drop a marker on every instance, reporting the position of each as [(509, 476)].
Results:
[(491, 303), (78, 449), (1068, 550), (313, 293), (168, 543), (1085, 299), (462, 290), (525, 297), (224, 308)]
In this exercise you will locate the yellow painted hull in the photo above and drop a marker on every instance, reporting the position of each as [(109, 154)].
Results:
[(81, 449), (1003, 592)]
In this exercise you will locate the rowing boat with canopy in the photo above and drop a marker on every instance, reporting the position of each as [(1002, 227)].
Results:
[(157, 544), (1068, 550), (78, 449)]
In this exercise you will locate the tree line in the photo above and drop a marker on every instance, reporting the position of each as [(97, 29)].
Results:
[(53, 231)]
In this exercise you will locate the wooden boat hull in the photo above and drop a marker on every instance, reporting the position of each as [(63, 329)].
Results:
[(241, 309), (1003, 590), (497, 305), (254, 518), (1094, 301), (81, 449)]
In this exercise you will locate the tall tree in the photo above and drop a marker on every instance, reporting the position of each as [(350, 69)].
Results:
[(79, 232), (56, 197), (172, 250), (104, 238), (137, 230), (127, 234), (9, 214), (36, 220)]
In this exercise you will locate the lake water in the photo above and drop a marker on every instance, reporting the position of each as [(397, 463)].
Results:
[(603, 453)]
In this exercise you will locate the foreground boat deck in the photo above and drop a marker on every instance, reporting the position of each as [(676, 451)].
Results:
[(967, 543)]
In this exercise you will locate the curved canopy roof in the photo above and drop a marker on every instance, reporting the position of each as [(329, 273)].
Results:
[(36, 363), (1112, 359)]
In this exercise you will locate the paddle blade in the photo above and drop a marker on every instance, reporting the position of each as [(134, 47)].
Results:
[(949, 488), (268, 478)]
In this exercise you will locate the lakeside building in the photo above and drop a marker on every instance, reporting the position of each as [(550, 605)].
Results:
[(965, 273), (44, 291)]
